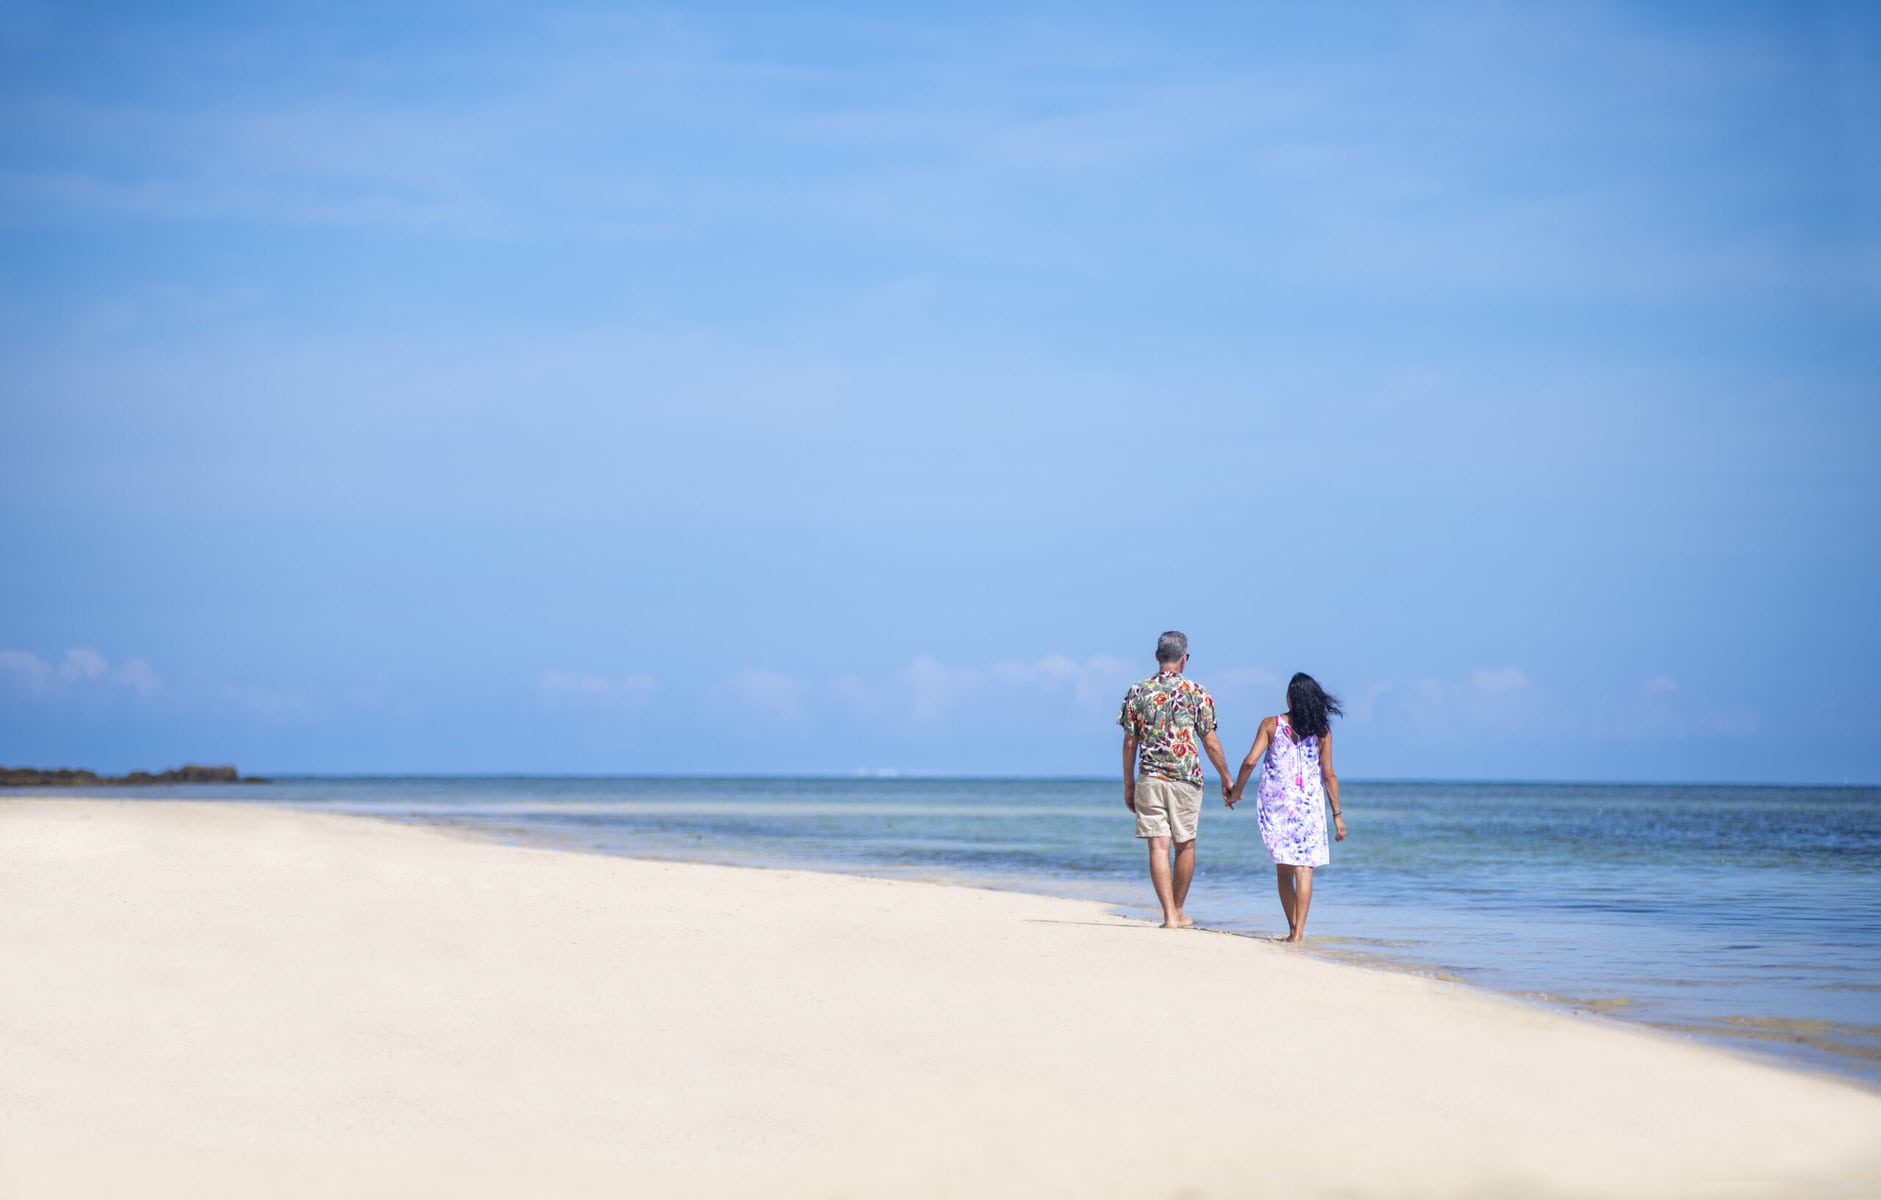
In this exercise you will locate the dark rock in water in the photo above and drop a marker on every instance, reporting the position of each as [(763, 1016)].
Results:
[(28, 777), (66, 777), (195, 774)]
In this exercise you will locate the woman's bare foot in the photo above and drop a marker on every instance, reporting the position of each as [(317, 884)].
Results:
[(1185, 921), (1295, 937)]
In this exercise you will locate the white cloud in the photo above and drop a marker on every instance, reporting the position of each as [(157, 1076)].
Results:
[(1492, 701), (1500, 681), (937, 137), (82, 664), (573, 688), (1242, 693), (379, 695), (929, 698), (1507, 702), (23, 673), (769, 695), (755, 693), (81, 672), (929, 694), (272, 704), (1663, 708), (926, 695), (135, 676)]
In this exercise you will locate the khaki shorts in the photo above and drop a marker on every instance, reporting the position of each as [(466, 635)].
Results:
[(1167, 808)]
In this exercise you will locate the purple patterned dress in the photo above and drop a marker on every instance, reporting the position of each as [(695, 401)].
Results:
[(1291, 800)]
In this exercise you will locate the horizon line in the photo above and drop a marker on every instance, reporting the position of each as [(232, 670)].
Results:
[(890, 776)]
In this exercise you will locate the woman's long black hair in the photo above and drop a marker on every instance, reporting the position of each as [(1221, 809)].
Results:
[(1309, 709)]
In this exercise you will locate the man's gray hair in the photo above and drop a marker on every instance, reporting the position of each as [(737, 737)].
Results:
[(1171, 646)]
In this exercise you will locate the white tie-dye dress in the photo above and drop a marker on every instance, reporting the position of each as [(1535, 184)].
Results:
[(1291, 800)]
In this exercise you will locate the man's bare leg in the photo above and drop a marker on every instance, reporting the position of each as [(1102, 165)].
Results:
[(1159, 878), (1184, 874)]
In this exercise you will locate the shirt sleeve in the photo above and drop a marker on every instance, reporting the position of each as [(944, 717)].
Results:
[(1204, 713), (1125, 713)]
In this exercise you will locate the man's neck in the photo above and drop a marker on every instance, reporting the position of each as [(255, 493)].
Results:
[(1168, 669)]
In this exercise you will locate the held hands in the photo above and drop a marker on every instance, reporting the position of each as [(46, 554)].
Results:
[(1229, 793)]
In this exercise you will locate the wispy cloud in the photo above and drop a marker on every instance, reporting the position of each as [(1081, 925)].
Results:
[(81, 672), (637, 127), (23, 672), (1509, 703), (268, 703), (925, 696), (136, 676), (1663, 707), (82, 665), (85, 675), (930, 699), (578, 690), (1495, 702), (928, 694), (774, 697)]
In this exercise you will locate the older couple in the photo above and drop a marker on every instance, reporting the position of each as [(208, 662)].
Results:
[(1169, 722)]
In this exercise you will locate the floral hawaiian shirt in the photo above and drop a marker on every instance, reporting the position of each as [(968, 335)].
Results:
[(1169, 715)]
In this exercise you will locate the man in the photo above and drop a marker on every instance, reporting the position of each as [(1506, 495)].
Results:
[(1162, 718)]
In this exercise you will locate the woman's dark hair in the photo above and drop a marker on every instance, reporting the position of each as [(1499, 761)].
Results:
[(1309, 709)]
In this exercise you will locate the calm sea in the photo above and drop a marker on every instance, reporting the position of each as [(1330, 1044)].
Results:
[(1745, 915)]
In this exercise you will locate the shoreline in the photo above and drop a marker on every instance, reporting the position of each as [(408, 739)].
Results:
[(222, 996), (1743, 1035), (1524, 954)]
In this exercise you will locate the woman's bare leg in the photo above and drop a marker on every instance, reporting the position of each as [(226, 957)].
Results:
[(1284, 877), (1302, 900)]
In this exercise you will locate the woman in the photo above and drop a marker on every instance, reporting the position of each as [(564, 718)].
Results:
[(1296, 782)]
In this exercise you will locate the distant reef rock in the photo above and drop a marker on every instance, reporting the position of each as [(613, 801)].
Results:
[(189, 773)]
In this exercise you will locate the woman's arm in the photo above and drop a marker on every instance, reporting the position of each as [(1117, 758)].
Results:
[(1261, 741), (1331, 779)]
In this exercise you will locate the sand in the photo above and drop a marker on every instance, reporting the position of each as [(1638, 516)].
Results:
[(203, 999)]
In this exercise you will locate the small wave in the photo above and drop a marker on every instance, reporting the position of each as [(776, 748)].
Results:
[(1596, 1004)]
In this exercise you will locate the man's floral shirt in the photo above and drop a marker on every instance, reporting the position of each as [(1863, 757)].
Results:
[(1169, 716)]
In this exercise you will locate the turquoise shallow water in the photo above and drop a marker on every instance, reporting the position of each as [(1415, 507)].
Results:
[(1749, 916)]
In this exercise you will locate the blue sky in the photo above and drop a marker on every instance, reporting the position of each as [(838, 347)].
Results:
[(837, 388)]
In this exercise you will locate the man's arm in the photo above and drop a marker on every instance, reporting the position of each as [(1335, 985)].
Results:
[(1129, 770), (1212, 744)]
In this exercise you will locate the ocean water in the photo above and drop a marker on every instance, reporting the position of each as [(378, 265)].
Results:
[(1748, 916)]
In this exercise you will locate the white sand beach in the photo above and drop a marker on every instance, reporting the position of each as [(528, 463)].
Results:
[(202, 999)]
